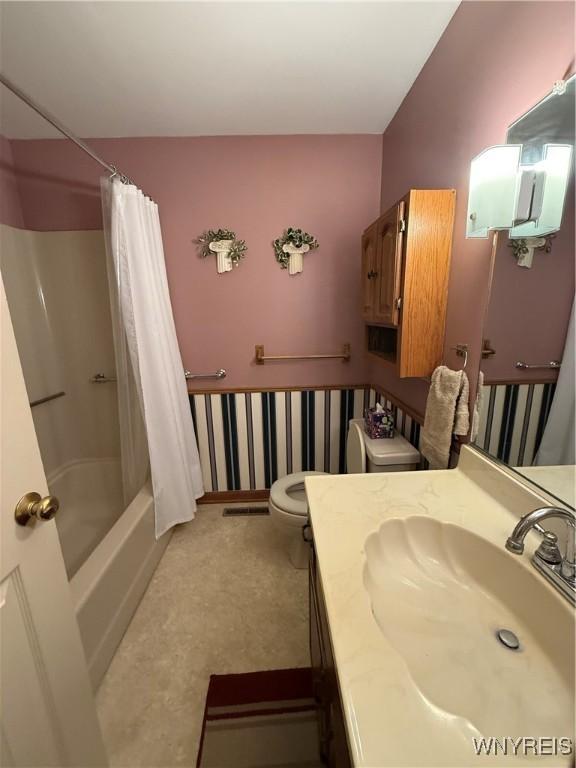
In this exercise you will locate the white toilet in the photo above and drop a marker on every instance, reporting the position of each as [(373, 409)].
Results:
[(288, 506)]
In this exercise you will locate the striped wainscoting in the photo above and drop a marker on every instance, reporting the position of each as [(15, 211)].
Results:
[(513, 419), (247, 440)]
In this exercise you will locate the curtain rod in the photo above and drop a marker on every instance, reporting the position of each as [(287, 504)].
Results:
[(59, 127)]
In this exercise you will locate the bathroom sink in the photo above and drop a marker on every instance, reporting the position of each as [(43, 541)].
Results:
[(440, 595)]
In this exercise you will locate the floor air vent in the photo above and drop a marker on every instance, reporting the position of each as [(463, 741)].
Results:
[(237, 511)]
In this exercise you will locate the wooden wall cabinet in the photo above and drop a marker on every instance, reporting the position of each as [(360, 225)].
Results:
[(369, 239), (405, 269)]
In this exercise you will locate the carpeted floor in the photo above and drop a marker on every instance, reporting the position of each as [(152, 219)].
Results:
[(224, 599)]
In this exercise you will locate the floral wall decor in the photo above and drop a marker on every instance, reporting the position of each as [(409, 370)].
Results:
[(228, 248), (291, 247)]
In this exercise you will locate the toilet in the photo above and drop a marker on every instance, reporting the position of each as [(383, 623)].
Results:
[(288, 506)]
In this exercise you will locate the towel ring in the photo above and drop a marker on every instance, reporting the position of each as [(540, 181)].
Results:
[(462, 351)]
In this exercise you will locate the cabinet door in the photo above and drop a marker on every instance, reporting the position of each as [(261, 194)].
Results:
[(369, 242), (389, 266), (318, 662), (331, 727)]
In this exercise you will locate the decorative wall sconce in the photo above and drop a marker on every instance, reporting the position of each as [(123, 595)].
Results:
[(291, 247), (523, 248), (528, 200), (223, 242)]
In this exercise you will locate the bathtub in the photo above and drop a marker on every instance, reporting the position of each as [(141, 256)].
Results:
[(90, 495), (106, 585)]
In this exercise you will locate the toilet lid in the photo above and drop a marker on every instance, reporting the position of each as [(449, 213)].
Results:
[(279, 493), (355, 450)]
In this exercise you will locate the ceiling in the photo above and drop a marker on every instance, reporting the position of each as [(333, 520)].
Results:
[(109, 69)]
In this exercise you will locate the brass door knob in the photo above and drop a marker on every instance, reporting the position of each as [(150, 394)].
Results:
[(32, 505)]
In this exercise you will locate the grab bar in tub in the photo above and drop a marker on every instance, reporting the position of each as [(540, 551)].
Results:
[(101, 378)]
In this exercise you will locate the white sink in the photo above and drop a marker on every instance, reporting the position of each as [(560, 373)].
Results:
[(439, 594)]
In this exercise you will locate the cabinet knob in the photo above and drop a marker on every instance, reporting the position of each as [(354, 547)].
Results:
[(372, 274), (398, 302)]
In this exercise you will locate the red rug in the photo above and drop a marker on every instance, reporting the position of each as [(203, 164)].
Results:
[(260, 719)]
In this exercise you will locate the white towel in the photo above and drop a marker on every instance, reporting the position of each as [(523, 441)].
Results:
[(477, 408), (446, 414), (462, 416)]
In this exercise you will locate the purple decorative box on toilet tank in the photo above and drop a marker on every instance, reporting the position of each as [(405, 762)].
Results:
[(378, 422)]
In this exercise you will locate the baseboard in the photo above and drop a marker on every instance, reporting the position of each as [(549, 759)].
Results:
[(223, 497)]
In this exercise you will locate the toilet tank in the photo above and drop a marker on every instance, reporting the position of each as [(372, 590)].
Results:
[(388, 454)]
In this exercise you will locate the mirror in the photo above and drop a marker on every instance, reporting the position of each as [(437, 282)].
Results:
[(551, 121), (528, 394)]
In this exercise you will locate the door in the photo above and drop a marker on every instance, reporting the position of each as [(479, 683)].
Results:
[(389, 266), (48, 711), (369, 241)]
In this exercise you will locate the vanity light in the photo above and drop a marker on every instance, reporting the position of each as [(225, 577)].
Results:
[(493, 189), (528, 200), (550, 184)]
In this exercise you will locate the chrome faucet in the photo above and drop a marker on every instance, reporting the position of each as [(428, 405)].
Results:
[(560, 570)]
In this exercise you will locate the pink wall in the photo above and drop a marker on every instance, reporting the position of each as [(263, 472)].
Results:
[(328, 185), (484, 73), (10, 207)]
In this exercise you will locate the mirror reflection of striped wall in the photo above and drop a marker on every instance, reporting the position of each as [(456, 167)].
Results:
[(247, 440), (513, 419)]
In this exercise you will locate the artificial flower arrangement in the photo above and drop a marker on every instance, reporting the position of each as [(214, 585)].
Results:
[(291, 247), (228, 248)]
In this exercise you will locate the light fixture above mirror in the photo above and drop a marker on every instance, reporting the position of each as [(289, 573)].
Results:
[(521, 186)]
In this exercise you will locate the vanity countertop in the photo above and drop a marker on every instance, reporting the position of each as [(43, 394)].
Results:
[(389, 721)]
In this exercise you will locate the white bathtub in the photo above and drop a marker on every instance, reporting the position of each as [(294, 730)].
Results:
[(107, 586), (90, 495)]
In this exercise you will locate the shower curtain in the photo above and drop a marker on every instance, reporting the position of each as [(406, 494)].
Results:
[(154, 411), (557, 446)]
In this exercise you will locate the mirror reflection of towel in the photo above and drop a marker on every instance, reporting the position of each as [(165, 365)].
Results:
[(447, 413), (462, 417), (477, 408)]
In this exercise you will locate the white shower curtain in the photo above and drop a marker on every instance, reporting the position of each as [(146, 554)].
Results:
[(135, 464), (557, 446), (152, 394)]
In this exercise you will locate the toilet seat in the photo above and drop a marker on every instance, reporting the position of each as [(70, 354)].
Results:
[(280, 497)]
